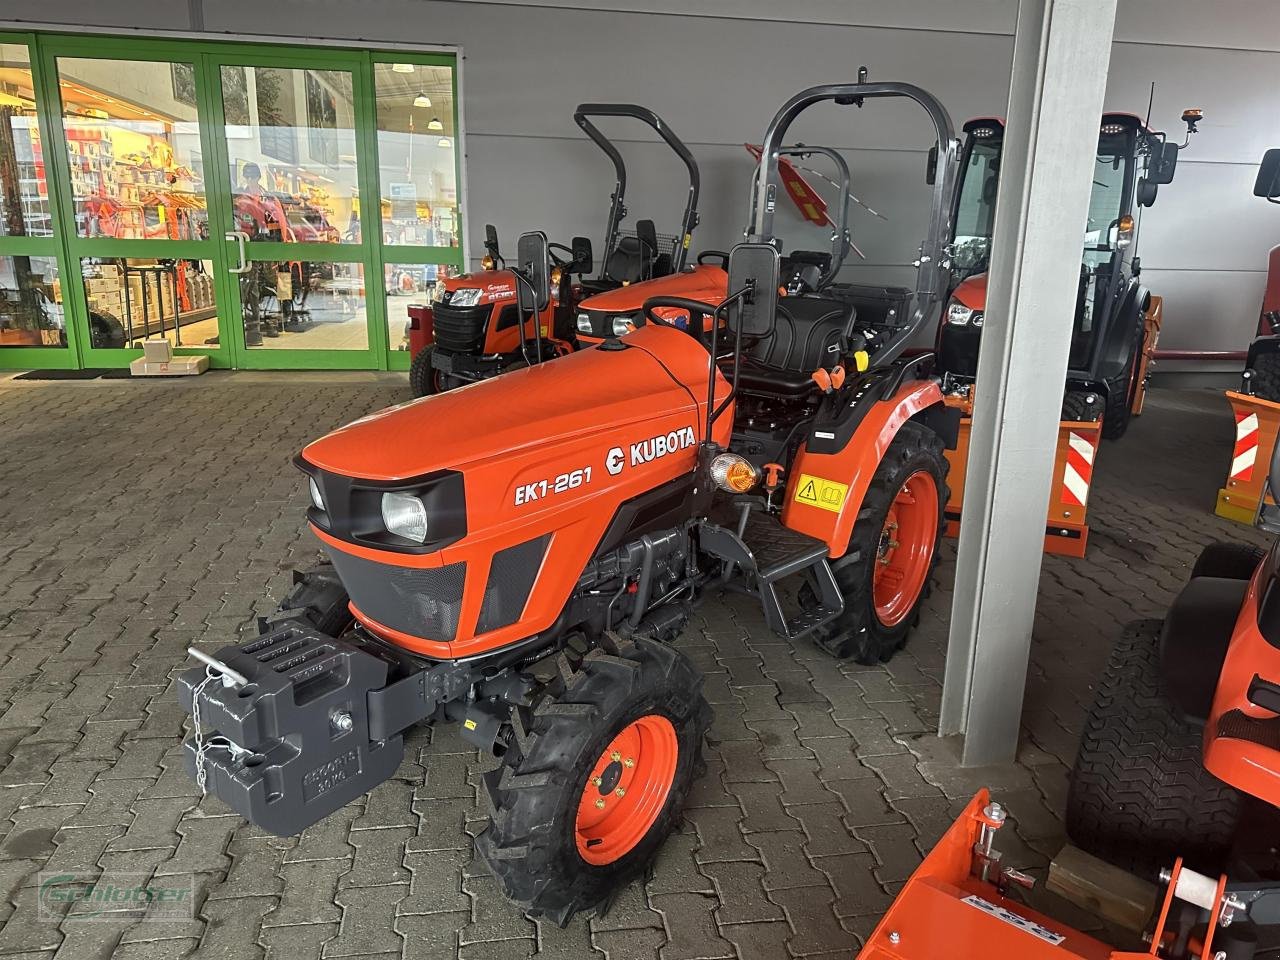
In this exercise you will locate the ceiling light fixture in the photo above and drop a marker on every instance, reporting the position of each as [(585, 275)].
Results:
[(444, 142), (435, 124), (422, 100), (402, 68)]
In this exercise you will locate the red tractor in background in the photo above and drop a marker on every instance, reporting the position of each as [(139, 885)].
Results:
[(530, 579), (476, 327)]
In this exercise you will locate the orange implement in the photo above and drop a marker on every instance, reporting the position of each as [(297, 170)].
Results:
[(1257, 423)]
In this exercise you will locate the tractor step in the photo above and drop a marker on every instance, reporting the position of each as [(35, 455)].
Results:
[(773, 552)]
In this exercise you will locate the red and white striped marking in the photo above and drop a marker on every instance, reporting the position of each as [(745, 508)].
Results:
[(1078, 472), (1246, 453)]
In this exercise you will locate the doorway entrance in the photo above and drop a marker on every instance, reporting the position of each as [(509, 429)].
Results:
[(270, 207)]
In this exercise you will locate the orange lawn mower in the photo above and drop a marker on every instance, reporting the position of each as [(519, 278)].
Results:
[(1256, 404), (1116, 321), (530, 579), (473, 329), (1178, 771)]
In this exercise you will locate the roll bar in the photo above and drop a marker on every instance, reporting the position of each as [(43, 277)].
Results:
[(617, 208), (934, 263)]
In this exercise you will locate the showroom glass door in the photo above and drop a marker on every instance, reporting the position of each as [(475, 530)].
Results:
[(293, 209), (132, 175)]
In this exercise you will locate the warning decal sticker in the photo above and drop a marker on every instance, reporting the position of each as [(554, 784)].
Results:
[(1022, 923), (824, 494)]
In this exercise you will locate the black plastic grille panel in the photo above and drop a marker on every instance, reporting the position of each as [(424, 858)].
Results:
[(461, 330), (511, 577), (422, 603)]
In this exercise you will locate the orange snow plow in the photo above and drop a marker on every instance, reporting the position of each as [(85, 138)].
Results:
[(1257, 424), (957, 905)]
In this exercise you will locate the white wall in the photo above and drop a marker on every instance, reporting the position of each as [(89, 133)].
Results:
[(716, 70)]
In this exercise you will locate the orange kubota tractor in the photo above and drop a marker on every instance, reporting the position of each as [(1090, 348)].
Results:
[(1180, 758), (1116, 320), (475, 328), (530, 579), (619, 311)]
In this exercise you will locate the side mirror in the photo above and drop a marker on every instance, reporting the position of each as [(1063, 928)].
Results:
[(757, 265), (491, 241), (931, 166), (1268, 182), (533, 259), (582, 259), (1146, 192), (1163, 162)]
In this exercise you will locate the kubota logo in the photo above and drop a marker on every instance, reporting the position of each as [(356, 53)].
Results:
[(615, 460), (661, 445)]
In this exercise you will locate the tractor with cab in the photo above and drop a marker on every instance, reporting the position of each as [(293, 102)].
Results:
[(475, 328), (530, 580)]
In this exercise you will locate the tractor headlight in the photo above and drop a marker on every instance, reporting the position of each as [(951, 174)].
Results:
[(405, 516), (733, 473), (960, 315), (316, 499), (466, 297), (584, 323), (622, 326)]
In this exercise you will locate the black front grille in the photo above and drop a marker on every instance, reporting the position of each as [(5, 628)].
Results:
[(511, 576), (461, 329), (420, 602)]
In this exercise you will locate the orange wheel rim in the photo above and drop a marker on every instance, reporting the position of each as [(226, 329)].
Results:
[(626, 789), (905, 551)]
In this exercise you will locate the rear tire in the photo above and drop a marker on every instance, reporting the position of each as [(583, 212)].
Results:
[(422, 378), (1266, 380), (551, 820), (860, 632), (319, 599), (1228, 560), (1139, 795)]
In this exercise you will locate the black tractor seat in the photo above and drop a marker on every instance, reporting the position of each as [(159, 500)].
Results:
[(810, 333), (632, 260)]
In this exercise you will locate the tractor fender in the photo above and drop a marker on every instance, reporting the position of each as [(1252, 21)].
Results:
[(1121, 341), (827, 484)]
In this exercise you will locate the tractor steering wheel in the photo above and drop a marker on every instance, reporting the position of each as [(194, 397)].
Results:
[(560, 261), (715, 255), (695, 308)]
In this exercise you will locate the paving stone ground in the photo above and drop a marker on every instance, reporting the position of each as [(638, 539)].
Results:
[(139, 518)]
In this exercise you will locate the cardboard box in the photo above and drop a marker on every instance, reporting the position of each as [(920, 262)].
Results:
[(177, 367)]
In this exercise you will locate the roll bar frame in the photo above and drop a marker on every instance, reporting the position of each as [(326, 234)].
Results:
[(933, 266), (617, 207)]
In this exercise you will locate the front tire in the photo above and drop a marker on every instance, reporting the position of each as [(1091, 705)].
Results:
[(423, 379), (319, 599), (1139, 795), (1121, 389), (596, 778), (887, 571)]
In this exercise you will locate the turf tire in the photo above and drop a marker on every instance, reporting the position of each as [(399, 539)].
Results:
[(1139, 795), (319, 599), (1229, 560), (422, 379)]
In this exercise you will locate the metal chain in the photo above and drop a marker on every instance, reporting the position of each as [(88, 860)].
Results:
[(201, 746)]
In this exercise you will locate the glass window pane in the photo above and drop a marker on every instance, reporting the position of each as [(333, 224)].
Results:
[(24, 194), (292, 143), (133, 144), (408, 284), (417, 166), (31, 303), (304, 305), (133, 299)]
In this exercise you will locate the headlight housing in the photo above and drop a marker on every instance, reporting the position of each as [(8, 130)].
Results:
[(959, 315), (584, 323), (733, 473), (316, 499), (465, 297), (622, 326), (405, 515)]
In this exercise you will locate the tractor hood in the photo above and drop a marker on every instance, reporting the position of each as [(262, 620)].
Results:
[(972, 292), (593, 392), (704, 282), (494, 286)]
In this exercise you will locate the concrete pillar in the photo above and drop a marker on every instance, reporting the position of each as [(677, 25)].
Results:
[(1061, 54)]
